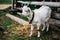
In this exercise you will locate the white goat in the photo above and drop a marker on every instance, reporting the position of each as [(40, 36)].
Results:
[(38, 17)]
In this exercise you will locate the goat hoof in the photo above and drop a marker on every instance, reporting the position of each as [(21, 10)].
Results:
[(42, 29), (38, 36), (29, 35), (46, 30)]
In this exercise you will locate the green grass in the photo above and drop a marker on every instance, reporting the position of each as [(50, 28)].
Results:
[(22, 17)]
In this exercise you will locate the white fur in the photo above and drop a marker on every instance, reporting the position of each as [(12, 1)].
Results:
[(41, 16)]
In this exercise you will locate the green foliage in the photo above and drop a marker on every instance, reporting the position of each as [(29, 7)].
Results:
[(5, 1)]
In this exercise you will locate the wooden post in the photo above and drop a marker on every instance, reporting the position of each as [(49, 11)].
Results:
[(18, 20), (52, 4), (12, 4)]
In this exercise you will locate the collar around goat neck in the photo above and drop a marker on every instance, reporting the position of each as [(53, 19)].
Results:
[(31, 18)]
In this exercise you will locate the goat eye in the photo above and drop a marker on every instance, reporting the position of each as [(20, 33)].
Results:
[(26, 11)]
